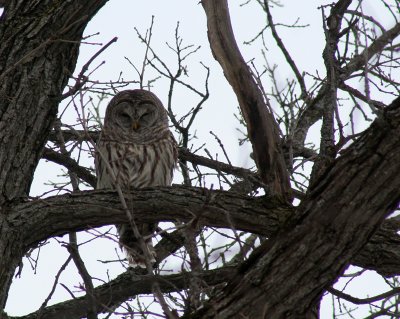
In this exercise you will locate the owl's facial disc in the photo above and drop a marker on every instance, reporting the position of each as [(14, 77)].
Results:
[(133, 117)]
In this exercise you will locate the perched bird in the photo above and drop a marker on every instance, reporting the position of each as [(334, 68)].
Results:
[(141, 152)]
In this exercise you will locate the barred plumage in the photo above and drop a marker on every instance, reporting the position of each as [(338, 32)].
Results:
[(141, 152)]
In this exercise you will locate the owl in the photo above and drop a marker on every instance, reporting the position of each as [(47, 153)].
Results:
[(141, 152)]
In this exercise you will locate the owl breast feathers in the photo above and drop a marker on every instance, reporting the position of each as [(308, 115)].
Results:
[(136, 149)]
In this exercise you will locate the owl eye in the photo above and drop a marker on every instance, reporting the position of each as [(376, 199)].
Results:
[(125, 118), (146, 116)]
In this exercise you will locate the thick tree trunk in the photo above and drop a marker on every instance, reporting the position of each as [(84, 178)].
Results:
[(287, 275), (11, 254), (39, 47)]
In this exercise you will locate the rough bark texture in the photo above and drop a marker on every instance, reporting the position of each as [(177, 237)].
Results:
[(332, 225), (59, 215), (127, 285), (327, 147), (261, 126), (39, 47), (54, 216)]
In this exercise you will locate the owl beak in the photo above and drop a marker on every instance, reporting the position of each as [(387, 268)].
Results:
[(135, 125)]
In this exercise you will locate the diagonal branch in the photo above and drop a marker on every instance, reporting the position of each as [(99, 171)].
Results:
[(82, 172), (342, 211), (127, 285), (261, 126), (299, 77), (314, 111), (358, 62)]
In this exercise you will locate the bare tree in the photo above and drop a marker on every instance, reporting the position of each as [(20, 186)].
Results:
[(287, 233)]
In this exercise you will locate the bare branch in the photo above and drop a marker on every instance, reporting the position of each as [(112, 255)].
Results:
[(81, 78), (358, 62), (338, 217), (82, 172), (314, 111), (299, 77), (261, 126), (359, 301), (332, 29), (52, 217), (58, 215), (127, 285)]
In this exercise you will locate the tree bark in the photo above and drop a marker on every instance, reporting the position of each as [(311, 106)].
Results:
[(38, 52), (287, 275), (40, 219), (55, 216), (262, 129), (125, 286)]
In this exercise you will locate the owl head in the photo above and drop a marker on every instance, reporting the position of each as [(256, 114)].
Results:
[(136, 115)]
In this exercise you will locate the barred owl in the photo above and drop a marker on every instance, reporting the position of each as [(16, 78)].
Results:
[(141, 152)]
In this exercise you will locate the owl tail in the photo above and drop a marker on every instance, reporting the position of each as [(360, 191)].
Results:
[(131, 245)]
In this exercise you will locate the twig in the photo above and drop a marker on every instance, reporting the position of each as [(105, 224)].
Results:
[(299, 77), (53, 289), (73, 242), (78, 83)]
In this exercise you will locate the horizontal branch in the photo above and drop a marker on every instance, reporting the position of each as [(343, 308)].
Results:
[(184, 155), (364, 301), (55, 216), (125, 286)]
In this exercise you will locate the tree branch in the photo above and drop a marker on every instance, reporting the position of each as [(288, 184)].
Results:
[(377, 46), (359, 301), (262, 129), (290, 61), (329, 102), (82, 172), (127, 285), (54, 216), (314, 110), (184, 155), (343, 209)]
